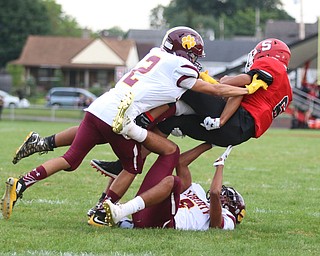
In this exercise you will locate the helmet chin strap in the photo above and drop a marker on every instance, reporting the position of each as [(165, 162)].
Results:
[(198, 65), (193, 58)]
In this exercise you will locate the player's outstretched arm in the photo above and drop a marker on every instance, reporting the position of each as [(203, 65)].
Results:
[(215, 189), (187, 158)]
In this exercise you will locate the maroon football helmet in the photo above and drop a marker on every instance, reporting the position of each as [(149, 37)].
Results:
[(232, 201), (184, 42), (270, 47)]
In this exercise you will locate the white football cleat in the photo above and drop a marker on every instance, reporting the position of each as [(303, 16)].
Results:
[(118, 121), (113, 213)]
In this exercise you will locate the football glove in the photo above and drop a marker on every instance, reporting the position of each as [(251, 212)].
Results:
[(205, 77), (211, 123), (177, 132), (223, 157), (143, 120), (256, 84)]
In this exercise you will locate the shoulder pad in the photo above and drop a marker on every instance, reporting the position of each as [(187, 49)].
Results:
[(263, 75)]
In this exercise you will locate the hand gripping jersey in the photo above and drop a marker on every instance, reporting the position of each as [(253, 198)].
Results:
[(159, 78), (265, 105), (193, 212)]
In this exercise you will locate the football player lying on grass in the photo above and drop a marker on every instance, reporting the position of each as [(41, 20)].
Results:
[(168, 201)]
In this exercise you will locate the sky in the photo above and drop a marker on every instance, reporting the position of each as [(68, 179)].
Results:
[(134, 14), (103, 14)]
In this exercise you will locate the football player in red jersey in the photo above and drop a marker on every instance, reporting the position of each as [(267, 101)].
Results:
[(269, 60)]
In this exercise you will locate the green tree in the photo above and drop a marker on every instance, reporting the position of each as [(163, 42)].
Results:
[(157, 20), (60, 23), (226, 18), (113, 32), (16, 72), (21, 18), (18, 19)]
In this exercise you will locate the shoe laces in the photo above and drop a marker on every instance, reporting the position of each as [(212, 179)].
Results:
[(100, 208)]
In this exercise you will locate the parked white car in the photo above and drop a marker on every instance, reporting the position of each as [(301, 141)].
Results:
[(11, 101)]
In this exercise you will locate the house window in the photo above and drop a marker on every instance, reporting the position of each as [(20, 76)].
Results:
[(102, 77), (47, 75)]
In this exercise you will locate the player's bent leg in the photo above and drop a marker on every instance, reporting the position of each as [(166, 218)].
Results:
[(158, 144), (161, 214)]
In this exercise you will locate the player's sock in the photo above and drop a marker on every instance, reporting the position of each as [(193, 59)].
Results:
[(134, 205), (112, 196), (51, 141), (34, 176)]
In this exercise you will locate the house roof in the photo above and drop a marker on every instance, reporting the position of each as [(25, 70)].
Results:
[(53, 51), (303, 51), (288, 31), (216, 50), (50, 50), (120, 47), (143, 49), (151, 36), (227, 50)]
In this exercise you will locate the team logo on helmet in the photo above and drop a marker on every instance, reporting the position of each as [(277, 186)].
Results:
[(188, 42)]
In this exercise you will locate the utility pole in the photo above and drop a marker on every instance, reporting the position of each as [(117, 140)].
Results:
[(302, 31), (318, 59), (258, 27)]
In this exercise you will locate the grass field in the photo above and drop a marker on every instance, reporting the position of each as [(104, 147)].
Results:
[(278, 176)]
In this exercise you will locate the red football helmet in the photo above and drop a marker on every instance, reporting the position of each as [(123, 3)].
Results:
[(270, 47), (184, 42), (232, 201)]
